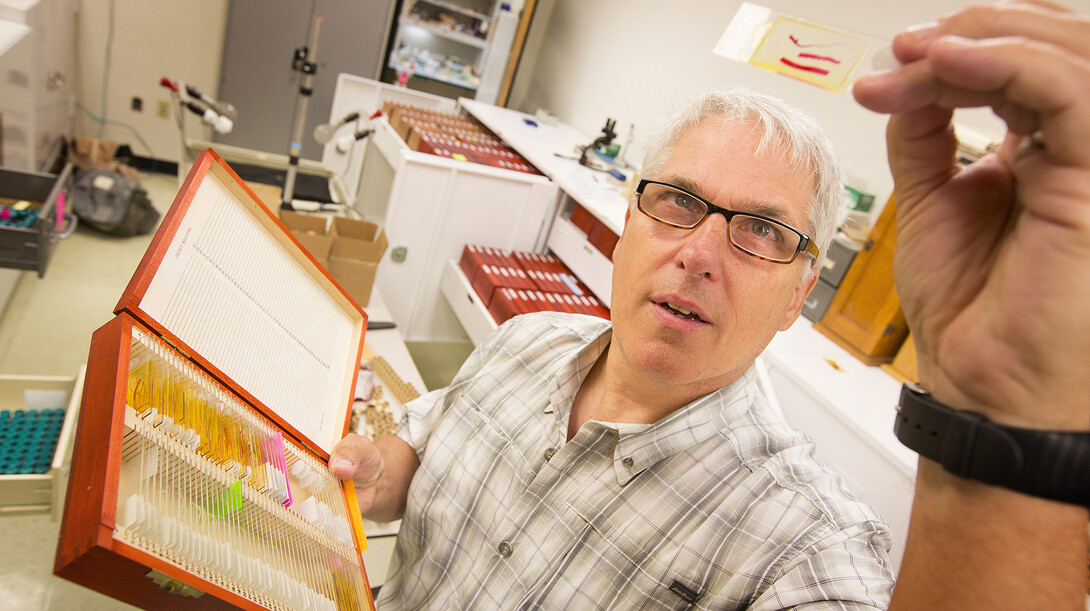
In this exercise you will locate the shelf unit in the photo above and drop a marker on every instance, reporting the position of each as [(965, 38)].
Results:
[(463, 45), (444, 32)]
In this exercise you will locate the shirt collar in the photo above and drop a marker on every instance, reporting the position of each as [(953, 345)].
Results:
[(566, 382), (690, 425), (638, 447)]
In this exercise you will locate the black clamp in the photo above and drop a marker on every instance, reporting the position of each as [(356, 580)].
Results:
[(299, 62)]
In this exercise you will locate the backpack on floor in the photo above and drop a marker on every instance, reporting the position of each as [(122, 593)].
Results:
[(112, 203)]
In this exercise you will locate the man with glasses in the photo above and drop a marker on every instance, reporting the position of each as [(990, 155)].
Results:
[(577, 464), (634, 462)]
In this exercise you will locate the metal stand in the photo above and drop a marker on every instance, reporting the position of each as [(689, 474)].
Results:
[(304, 61)]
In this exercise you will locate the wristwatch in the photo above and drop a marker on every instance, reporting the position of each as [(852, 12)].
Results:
[(1049, 464)]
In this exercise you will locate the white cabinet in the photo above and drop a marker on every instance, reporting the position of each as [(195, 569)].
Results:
[(37, 82), (466, 303), (432, 207), (464, 43)]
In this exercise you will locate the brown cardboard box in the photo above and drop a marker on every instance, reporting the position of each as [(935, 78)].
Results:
[(357, 248), (311, 233)]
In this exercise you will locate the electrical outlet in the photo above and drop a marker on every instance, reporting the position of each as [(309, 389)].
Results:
[(162, 109)]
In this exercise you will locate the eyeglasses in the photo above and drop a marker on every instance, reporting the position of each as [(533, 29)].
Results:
[(755, 235)]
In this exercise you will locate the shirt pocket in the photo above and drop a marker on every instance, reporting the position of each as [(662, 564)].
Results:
[(622, 567)]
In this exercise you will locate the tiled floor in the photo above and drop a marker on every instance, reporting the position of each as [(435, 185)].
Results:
[(45, 330)]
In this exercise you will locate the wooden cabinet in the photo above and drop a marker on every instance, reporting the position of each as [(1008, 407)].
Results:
[(865, 316)]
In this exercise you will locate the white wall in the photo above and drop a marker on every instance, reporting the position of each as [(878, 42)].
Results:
[(151, 39), (633, 59)]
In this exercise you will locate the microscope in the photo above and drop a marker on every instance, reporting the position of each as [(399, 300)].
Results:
[(604, 140)]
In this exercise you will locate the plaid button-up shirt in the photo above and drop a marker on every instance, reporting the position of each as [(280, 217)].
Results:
[(719, 505)]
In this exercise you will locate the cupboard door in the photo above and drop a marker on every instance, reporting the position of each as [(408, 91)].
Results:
[(865, 316)]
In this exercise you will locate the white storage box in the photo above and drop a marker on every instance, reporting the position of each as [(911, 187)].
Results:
[(365, 96), (34, 399)]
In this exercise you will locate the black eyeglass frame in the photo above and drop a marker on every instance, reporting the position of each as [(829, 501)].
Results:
[(806, 244)]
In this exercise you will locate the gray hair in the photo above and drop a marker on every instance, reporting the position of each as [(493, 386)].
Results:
[(785, 130)]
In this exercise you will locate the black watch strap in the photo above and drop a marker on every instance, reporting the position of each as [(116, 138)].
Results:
[(1048, 464)]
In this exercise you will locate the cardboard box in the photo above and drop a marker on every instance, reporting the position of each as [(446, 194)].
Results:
[(357, 248), (311, 233)]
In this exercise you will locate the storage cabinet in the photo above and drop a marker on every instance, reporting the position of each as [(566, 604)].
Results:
[(37, 82), (570, 240), (466, 304), (463, 44), (841, 254), (865, 316), (432, 207)]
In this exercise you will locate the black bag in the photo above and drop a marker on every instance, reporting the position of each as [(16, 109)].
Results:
[(112, 203)]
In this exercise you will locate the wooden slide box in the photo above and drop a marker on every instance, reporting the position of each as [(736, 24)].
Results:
[(229, 307)]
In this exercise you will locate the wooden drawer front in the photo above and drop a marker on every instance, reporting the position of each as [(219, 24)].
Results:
[(865, 316)]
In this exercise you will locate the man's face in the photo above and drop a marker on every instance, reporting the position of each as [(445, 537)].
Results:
[(737, 302)]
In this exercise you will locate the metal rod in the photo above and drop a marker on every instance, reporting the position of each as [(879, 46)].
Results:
[(309, 67)]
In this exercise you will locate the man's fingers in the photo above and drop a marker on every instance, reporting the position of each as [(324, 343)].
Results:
[(1031, 85), (356, 457), (1042, 21), (903, 89), (921, 146), (1037, 77)]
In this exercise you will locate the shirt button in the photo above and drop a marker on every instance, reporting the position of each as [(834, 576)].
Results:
[(628, 462), (504, 549), (550, 453)]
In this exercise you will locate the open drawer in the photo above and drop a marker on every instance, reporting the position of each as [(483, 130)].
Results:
[(41, 411), (29, 245)]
